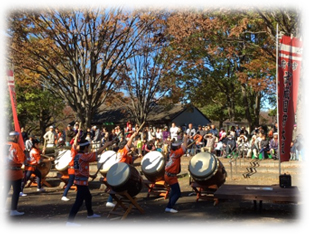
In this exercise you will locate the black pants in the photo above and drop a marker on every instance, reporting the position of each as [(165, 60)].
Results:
[(82, 194), (27, 175), (175, 193), (16, 184), (69, 184)]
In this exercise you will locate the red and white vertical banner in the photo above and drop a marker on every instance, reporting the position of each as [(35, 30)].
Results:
[(289, 65), (11, 85)]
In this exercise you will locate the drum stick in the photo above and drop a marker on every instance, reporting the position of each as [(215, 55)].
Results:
[(190, 145), (140, 127)]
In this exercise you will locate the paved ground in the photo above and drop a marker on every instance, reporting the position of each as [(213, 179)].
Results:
[(46, 211)]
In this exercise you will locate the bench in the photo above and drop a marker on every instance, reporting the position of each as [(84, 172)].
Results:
[(260, 193)]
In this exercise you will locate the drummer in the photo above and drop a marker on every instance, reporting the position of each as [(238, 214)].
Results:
[(15, 159), (172, 168), (31, 166), (123, 154), (71, 171), (81, 167)]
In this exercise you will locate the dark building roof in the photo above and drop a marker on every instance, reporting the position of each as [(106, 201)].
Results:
[(159, 115)]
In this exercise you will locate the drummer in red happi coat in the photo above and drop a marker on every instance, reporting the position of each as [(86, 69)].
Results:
[(172, 169), (33, 160), (71, 171)]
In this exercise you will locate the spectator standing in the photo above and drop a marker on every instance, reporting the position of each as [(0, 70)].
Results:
[(221, 133), (59, 137), (112, 135), (69, 134), (191, 132), (151, 134), (232, 132), (210, 142), (24, 134), (50, 137), (129, 130), (174, 132), (214, 131), (198, 138), (166, 133), (294, 143), (202, 132), (237, 130), (159, 134), (180, 134), (139, 145), (28, 145), (96, 141)]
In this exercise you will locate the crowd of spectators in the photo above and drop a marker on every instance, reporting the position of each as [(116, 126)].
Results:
[(261, 143)]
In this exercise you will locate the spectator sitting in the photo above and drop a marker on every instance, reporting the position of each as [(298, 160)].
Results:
[(229, 144), (263, 145), (273, 145), (252, 147), (242, 143)]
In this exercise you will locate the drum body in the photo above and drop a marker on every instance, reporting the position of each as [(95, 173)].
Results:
[(106, 160), (44, 168), (62, 161), (123, 177), (206, 169), (153, 166)]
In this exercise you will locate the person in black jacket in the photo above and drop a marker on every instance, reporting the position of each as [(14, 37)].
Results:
[(263, 144)]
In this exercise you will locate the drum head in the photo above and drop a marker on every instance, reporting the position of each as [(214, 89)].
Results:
[(203, 165), (62, 160), (118, 174), (152, 162), (109, 158)]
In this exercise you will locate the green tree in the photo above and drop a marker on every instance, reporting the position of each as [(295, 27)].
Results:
[(227, 52)]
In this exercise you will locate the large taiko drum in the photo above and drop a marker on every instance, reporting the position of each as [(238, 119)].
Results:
[(44, 167), (62, 161), (124, 177), (106, 160), (153, 166), (207, 170)]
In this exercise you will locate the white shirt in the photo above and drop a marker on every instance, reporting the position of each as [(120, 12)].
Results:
[(159, 135), (174, 132)]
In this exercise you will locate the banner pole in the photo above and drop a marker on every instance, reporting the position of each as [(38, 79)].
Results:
[(277, 96)]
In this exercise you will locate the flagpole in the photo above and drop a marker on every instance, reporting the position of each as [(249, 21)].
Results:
[(277, 96)]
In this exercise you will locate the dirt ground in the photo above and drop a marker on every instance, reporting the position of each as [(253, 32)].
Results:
[(47, 210)]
